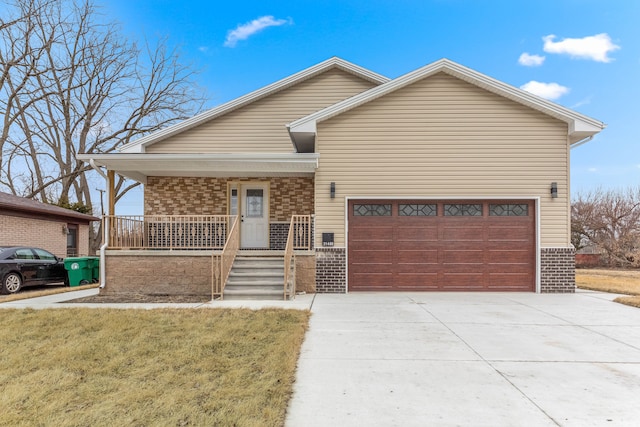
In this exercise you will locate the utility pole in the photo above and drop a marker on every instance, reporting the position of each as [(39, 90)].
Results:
[(101, 204)]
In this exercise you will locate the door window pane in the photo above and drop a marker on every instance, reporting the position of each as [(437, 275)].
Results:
[(254, 202)]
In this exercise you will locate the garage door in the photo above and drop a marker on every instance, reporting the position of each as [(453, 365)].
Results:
[(418, 245)]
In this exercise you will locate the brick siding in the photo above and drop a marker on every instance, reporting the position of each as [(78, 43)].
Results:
[(331, 270), (208, 196), (40, 233), (557, 270), (158, 274)]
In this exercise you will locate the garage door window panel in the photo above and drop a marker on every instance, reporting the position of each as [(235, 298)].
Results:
[(508, 209), (417, 209), (462, 209), (372, 209)]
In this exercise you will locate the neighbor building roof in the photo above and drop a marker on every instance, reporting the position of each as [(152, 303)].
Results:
[(16, 204)]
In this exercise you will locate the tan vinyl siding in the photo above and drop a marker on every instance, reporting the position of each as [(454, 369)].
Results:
[(260, 126), (442, 137)]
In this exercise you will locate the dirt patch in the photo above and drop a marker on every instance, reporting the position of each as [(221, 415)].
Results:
[(141, 298)]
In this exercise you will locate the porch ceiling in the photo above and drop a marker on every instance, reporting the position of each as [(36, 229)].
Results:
[(139, 166)]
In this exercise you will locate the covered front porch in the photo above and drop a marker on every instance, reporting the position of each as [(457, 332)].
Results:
[(202, 212), (196, 255)]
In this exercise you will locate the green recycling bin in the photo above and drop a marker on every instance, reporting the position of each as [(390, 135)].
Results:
[(79, 269), (96, 269)]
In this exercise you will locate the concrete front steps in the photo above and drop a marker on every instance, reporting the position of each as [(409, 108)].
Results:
[(256, 275)]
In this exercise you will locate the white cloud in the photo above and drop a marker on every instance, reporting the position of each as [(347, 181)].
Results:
[(244, 31), (595, 47), (593, 169), (545, 90), (203, 49), (530, 60)]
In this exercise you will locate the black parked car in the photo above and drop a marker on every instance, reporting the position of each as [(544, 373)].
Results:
[(22, 266)]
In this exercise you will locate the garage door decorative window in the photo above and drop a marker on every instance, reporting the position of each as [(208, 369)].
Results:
[(460, 209), (372, 209), (509, 210), (417, 210)]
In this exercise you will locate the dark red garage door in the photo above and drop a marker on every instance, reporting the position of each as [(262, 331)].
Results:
[(418, 245)]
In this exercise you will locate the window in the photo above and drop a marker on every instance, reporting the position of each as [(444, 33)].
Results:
[(417, 210), (42, 254), (372, 209), (72, 240), (508, 209), (461, 209), (233, 202), (24, 254)]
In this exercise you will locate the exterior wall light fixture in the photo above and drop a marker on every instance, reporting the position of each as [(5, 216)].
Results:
[(333, 190), (554, 190)]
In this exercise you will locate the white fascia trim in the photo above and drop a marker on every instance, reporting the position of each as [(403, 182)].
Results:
[(293, 157), (575, 120), (139, 145)]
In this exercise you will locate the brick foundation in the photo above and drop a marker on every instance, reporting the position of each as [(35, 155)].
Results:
[(158, 274), (557, 270), (331, 269), (278, 232), (306, 273)]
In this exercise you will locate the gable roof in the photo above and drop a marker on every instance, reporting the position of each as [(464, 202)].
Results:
[(9, 202), (138, 146), (303, 131)]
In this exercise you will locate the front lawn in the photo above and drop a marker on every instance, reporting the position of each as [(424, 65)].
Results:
[(615, 281), (171, 367)]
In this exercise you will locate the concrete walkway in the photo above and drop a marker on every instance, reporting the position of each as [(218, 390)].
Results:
[(448, 359)]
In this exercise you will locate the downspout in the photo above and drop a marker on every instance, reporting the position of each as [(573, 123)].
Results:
[(105, 226)]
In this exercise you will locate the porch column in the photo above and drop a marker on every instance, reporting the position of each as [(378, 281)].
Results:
[(111, 177)]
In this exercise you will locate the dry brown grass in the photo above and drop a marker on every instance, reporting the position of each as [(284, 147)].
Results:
[(615, 281), (81, 367), (26, 293)]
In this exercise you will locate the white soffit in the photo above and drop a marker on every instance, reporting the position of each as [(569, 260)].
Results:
[(580, 126), (139, 166), (138, 146)]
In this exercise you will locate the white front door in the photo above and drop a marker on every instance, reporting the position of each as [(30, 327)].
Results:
[(254, 216)]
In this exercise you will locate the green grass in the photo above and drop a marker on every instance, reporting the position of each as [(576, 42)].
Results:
[(102, 367)]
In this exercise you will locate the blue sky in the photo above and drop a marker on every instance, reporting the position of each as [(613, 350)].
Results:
[(583, 54)]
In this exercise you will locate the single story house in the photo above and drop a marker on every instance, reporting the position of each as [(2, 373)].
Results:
[(26, 222), (443, 179)]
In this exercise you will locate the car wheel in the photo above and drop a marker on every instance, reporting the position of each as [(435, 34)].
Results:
[(11, 283)]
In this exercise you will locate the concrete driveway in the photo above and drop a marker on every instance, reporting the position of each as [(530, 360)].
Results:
[(469, 359)]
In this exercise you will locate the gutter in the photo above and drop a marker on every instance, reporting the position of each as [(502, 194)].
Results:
[(582, 141), (105, 224)]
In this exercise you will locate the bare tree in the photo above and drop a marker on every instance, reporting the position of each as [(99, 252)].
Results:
[(609, 220), (72, 84)]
